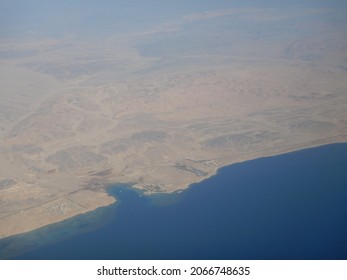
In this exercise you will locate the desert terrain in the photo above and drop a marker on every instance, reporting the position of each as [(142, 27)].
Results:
[(163, 107)]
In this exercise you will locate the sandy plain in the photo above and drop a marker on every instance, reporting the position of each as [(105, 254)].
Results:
[(158, 110)]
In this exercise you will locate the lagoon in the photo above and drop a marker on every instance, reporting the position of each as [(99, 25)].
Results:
[(289, 206)]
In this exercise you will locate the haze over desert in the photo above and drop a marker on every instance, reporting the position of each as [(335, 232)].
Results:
[(160, 102)]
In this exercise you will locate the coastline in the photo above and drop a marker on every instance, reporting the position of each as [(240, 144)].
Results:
[(93, 200), (250, 212)]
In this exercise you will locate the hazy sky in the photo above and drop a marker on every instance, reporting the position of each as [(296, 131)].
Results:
[(105, 17)]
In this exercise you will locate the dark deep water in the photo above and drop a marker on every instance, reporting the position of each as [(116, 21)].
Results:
[(291, 206)]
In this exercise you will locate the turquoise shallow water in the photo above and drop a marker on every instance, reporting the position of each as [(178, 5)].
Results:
[(291, 206)]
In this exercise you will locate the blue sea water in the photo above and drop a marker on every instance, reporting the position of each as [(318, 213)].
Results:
[(290, 206)]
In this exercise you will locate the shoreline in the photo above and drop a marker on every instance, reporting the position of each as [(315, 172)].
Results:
[(105, 199), (262, 183)]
